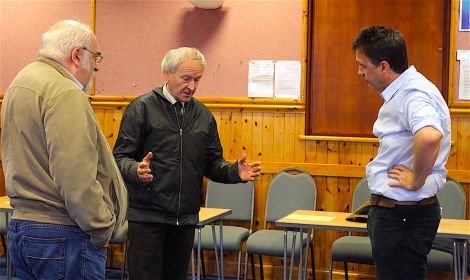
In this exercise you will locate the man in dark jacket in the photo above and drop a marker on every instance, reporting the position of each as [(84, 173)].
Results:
[(167, 143)]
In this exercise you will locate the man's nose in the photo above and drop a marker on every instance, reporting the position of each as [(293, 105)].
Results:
[(191, 85)]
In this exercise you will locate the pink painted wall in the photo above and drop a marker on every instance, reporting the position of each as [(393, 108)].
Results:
[(22, 23), (134, 36)]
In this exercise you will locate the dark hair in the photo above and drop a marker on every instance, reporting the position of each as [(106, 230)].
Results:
[(379, 43)]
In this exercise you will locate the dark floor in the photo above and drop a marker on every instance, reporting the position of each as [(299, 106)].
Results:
[(111, 274)]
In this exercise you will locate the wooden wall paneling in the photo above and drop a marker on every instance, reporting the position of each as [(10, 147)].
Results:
[(247, 135), (290, 137), (267, 136), (217, 116), (463, 145), (108, 126), (257, 137), (310, 151), (236, 134), (278, 129), (344, 195), (300, 145), (225, 127), (117, 117), (332, 193)]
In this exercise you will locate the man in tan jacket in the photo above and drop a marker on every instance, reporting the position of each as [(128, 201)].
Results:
[(67, 193)]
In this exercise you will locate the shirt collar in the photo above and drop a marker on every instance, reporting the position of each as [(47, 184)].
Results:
[(168, 95), (73, 78), (388, 92)]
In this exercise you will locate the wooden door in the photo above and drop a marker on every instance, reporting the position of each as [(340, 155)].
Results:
[(338, 101)]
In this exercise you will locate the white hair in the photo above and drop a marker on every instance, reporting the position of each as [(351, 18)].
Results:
[(63, 37), (175, 57)]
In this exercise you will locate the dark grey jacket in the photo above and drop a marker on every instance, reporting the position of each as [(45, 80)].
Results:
[(181, 157)]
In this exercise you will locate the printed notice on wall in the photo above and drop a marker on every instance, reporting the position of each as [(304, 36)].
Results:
[(287, 79), (261, 78), (464, 79), (274, 78)]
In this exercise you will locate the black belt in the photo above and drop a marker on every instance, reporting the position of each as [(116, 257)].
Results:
[(380, 200)]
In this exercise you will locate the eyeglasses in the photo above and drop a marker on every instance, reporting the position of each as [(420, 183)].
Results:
[(97, 56)]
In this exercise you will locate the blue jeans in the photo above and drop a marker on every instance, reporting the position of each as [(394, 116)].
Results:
[(49, 251)]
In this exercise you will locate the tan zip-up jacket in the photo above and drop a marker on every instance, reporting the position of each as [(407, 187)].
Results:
[(57, 163)]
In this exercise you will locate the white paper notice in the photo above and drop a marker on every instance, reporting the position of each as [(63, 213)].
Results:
[(287, 79), (464, 78), (261, 78)]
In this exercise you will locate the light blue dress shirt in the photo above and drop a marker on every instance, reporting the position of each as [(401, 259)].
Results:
[(411, 103)]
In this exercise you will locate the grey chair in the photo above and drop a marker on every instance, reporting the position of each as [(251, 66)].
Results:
[(239, 198), (357, 249), (121, 239), (291, 189), (354, 249), (453, 203)]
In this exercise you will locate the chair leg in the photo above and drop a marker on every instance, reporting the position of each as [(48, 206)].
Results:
[(239, 263), (252, 256), (346, 271), (261, 267), (330, 273), (203, 265), (312, 256), (246, 266), (123, 274)]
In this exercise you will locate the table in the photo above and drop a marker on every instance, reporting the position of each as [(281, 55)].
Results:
[(458, 230), (210, 216), (206, 216), (6, 208)]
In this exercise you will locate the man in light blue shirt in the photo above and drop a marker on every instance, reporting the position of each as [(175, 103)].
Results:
[(413, 127)]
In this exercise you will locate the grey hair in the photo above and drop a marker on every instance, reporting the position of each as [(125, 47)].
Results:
[(175, 57), (63, 37)]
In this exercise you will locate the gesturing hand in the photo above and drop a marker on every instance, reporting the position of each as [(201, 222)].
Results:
[(248, 171), (144, 173)]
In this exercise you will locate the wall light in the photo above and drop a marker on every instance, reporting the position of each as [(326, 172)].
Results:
[(207, 4)]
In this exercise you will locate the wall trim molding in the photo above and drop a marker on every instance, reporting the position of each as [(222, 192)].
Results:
[(339, 170)]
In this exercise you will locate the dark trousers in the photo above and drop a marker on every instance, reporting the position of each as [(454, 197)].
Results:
[(401, 239), (159, 251)]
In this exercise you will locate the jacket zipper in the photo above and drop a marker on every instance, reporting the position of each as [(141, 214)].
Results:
[(181, 166)]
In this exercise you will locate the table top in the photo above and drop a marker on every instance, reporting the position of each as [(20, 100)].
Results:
[(206, 215), (448, 228), (209, 215), (5, 204)]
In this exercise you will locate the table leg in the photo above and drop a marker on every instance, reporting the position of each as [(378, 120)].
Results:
[(464, 260), (198, 253), (285, 254), (214, 241), (301, 239), (292, 255), (309, 234), (221, 251)]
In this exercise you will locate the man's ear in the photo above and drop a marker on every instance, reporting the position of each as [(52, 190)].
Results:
[(166, 75), (384, 65), (75, 56)]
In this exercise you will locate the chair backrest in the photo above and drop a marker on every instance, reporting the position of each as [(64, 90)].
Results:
[(291, 189), (238, 197), (361, 194), (452, 200)]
